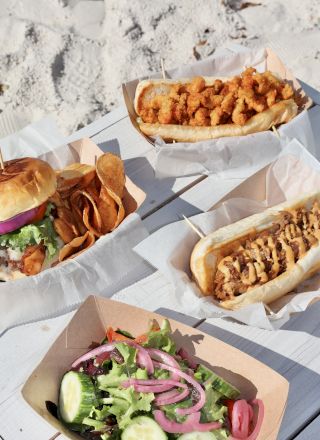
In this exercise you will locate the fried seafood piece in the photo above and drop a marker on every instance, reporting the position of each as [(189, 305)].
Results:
[(197, 85), (228, 103), (33, 259), (216, 116), (209, 99), (254, 102), (149, 115), (271, 97), (239, 115), (201, 117), (287, 91), (193, 103), (165, 115)]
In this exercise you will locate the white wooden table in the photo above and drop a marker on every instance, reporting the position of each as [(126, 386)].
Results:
[(294, 351)]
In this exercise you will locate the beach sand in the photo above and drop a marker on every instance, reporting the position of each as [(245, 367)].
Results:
[(68, 58)]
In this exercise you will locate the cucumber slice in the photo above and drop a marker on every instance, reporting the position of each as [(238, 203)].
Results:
[(219, 384), (198, 436), (143, 428), (224, 387), (76, 398)]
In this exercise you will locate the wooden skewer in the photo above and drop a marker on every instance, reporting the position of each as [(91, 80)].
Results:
[(275, 131), (1, 160), (162, 68), (268, 309), (192, 226)]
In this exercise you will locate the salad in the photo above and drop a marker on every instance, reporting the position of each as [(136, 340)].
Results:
[(143, 388)]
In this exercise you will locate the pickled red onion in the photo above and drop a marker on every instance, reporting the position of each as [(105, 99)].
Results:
[(152, 385), (166, 359), (194, 383), (143, 358), (172, 396), (92, 353), (186, 356)]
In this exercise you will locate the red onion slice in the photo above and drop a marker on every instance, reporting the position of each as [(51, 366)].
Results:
[(190, 425), (172, 396), (93, 353), (17, 221), (186, 356), (194, 383), (152, 385), (165, 358), (143, 358)]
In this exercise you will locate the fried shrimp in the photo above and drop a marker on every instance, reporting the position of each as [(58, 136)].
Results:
[(193, 103), (216, 116), (197, 85), (198, 104), (239, 116), (202, 117), (165, 114)]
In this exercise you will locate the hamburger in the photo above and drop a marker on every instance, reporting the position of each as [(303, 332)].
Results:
[(28, 241)]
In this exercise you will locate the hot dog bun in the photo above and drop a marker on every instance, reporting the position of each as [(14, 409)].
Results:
[(278, 113), (212, 249)]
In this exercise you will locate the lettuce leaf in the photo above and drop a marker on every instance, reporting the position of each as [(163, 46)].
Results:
[(213, 410), (113, 378), (36, 233), (161, 338), (129, 355)]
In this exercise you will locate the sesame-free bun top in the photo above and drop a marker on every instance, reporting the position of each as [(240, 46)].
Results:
[(25, 184)]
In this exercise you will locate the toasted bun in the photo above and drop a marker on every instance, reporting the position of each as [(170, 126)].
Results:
[(279, 113), (206, 254), (25, 184), (146, 90)]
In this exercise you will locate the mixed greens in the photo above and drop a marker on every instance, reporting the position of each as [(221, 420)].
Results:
[(39, 232), (145, 389)]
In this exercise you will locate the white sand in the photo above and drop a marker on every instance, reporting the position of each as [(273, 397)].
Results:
[(69, 57)]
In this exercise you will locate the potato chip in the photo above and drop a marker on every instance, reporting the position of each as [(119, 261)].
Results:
[(110, 171), (90, 214), (121, 211), (56, 199), (66, 215), (76, 174), (108, 210), (76, 246), (63, 230)]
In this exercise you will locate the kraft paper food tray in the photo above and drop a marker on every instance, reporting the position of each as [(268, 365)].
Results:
[(220, 67), (55, 290), (89, 324), (88, 152)]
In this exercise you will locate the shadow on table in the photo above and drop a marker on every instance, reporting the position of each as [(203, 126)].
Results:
[(303, 402), (110, 146), (307, 321), (159, 192)]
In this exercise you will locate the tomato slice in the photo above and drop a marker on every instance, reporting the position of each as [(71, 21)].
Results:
[(39, 214), (114, 336), (229, 404)]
